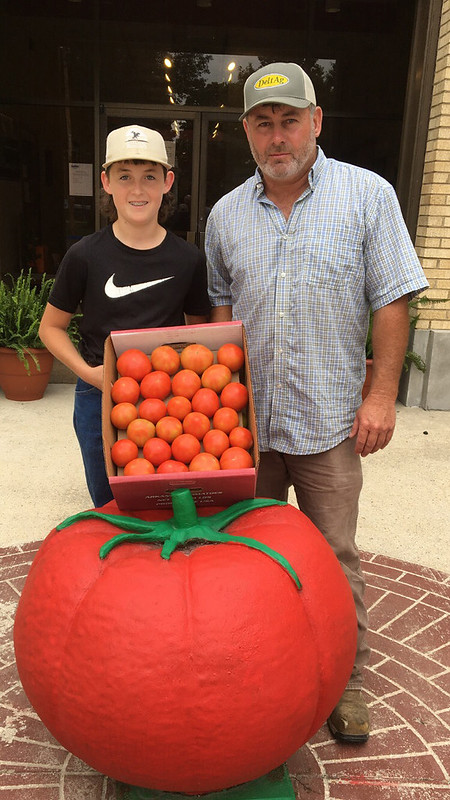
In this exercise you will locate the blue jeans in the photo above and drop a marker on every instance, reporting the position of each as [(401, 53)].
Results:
[(87, 421)]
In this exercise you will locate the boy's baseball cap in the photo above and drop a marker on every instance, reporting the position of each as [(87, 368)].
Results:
[(135, 142), (278, 83)]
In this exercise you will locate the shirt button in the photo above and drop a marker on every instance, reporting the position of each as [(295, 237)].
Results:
[(281, 313), (283, 275)]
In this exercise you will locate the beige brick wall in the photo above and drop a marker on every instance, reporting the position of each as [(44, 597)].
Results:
[(433, 229)]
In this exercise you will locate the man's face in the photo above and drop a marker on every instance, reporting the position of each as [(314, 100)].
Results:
[(282, 139)]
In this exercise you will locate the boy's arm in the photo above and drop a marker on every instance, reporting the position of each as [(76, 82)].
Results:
[(53, 332)]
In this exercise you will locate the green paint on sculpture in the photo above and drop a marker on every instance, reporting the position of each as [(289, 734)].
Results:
[(185, 526)]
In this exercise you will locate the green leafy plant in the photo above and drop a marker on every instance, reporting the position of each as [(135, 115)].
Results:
[(411, 357), (22, 303)]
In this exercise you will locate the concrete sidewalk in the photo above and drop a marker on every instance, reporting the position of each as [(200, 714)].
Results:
[(404, 509)]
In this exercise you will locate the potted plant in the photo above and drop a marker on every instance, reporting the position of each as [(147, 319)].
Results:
[(25, 363), (411, 357)]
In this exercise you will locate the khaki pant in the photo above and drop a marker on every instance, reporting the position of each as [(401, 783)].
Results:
[(327, 486)]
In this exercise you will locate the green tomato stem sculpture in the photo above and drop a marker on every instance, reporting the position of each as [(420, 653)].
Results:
[(185, 526)]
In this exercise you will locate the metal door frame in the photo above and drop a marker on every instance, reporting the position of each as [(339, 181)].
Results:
[(210, 116)]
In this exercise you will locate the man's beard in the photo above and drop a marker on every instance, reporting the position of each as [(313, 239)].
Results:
[(286, 169), (280, 170)]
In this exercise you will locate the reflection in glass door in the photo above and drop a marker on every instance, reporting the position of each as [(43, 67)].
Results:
[(225, 161)]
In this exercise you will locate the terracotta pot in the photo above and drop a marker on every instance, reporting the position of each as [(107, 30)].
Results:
[(368, 380), (14, 379)]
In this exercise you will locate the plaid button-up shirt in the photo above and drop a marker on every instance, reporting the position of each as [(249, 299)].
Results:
[(303, 288)]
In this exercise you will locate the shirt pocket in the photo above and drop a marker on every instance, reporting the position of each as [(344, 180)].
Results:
[(333, 258)]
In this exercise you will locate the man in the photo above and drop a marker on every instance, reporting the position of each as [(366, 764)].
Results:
[(299, 253)]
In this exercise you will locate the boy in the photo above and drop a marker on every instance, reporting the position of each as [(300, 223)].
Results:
[(131, 274)]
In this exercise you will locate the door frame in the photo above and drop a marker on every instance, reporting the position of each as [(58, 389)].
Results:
[(208, 115)]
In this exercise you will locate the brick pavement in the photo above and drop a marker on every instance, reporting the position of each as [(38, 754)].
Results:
[(407, 687)]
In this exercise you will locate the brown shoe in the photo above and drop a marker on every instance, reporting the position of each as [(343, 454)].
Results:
[(349, 721)]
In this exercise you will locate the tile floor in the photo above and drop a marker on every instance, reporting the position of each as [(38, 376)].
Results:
[(407, 686)]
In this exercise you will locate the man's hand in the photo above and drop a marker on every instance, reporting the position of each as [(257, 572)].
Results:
[(221, 314), (375, 419), (374, 424)]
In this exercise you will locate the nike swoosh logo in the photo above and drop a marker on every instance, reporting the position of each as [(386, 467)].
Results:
[(113, 291)]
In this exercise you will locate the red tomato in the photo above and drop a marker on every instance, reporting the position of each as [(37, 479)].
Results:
[(138, 466), (165, 358), (207, 401), (186, 382), (123, 451), (139, 430), (168, 428), (125, 390), (241, 437), (234, 395), (156, 384), (215, 442), (178, 406), (133, 363), (172, 466), (216, 377), (153, 409), (201, 642), (122, 414), (204, 462), (231, 355), (156, 451), (225, 419), (196, 357), (236, 458), (185, 447), (197, 424)]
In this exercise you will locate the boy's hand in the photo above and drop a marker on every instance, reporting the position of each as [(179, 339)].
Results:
[(95, 377)]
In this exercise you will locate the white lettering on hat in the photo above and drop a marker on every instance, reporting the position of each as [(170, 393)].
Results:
[(273, 80)]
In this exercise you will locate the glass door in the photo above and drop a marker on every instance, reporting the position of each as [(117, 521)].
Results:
[(209, 152), (181, 133)]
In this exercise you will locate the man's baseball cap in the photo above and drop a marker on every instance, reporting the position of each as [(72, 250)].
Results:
[(135, 142), (278, 83)]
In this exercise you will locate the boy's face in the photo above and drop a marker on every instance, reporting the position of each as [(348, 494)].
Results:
[(137, 189)]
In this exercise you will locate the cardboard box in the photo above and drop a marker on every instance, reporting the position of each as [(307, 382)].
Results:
[(215, 488)]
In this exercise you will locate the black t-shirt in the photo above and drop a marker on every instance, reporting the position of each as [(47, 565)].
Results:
[(119, 288)]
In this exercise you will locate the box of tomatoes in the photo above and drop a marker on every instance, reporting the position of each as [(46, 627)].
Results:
[(178, 411)]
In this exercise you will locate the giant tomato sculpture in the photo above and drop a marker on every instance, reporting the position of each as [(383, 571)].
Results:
[(195, 671)]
